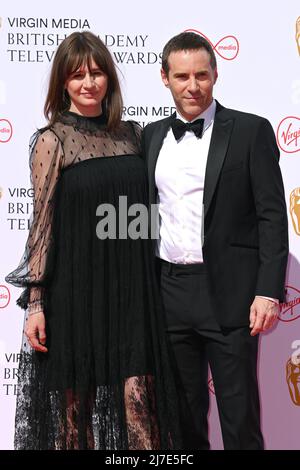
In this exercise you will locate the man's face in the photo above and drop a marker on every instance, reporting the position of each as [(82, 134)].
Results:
[(191, 80)]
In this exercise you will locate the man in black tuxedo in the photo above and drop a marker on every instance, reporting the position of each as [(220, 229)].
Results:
[(223, 244)]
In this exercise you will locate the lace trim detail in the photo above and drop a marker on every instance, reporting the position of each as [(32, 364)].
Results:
[(112, 417), (83, 123)]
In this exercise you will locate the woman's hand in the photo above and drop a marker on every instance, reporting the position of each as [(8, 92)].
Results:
[(35, 331)]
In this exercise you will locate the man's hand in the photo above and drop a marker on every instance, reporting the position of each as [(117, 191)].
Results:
[(263, 314), (35, 331)]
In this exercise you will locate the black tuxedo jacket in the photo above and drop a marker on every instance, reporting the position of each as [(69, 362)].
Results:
[(245, 246)]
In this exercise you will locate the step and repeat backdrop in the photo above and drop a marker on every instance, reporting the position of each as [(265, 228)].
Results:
[(258, 52)]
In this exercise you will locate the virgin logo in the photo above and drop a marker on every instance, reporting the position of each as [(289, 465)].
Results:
[(211, 387), (5, 131), (4, 296), (288, 134), (227, 47), (290, 310)]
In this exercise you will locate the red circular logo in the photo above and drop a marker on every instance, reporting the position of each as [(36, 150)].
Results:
[(4, 296), (227, 47), (290, 310), (6, 131), (288, 134)]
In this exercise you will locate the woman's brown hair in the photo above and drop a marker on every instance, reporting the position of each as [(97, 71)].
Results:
[(77, 49)]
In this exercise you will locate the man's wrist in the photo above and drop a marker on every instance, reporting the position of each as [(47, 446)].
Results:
[(276, 301)]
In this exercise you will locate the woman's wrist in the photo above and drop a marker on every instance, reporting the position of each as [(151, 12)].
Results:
[(35, 307)]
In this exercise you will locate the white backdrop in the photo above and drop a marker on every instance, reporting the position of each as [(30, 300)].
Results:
[(258, 62)]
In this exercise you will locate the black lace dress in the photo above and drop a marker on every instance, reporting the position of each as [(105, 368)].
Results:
[(105, 382)]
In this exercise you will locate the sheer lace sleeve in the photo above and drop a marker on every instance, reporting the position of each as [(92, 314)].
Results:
[(46, 161)]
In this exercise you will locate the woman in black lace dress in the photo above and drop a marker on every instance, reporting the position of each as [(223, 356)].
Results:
[(94, 372)]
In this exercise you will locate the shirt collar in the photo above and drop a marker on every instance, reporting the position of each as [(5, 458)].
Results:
[(208, 115)]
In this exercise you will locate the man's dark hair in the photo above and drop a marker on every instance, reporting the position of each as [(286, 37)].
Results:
[(184, 42)]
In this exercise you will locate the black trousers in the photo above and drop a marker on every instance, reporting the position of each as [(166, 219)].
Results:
[(197, 340)]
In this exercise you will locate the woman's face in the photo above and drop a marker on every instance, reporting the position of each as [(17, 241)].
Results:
[(87, 88)]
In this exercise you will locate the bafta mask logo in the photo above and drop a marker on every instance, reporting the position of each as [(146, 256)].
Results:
[(293, 380), (227, 47), (290, 310), (288, 134), (1, 193), (4, 296), (298, 34), (5, 131), (295, 209)]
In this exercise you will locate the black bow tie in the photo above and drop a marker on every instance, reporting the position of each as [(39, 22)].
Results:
[(179, 128)]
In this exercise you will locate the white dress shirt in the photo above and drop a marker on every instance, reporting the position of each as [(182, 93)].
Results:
[(179, 177)]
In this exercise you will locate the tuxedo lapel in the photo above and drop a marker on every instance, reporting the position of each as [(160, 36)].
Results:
[(218, 147)]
